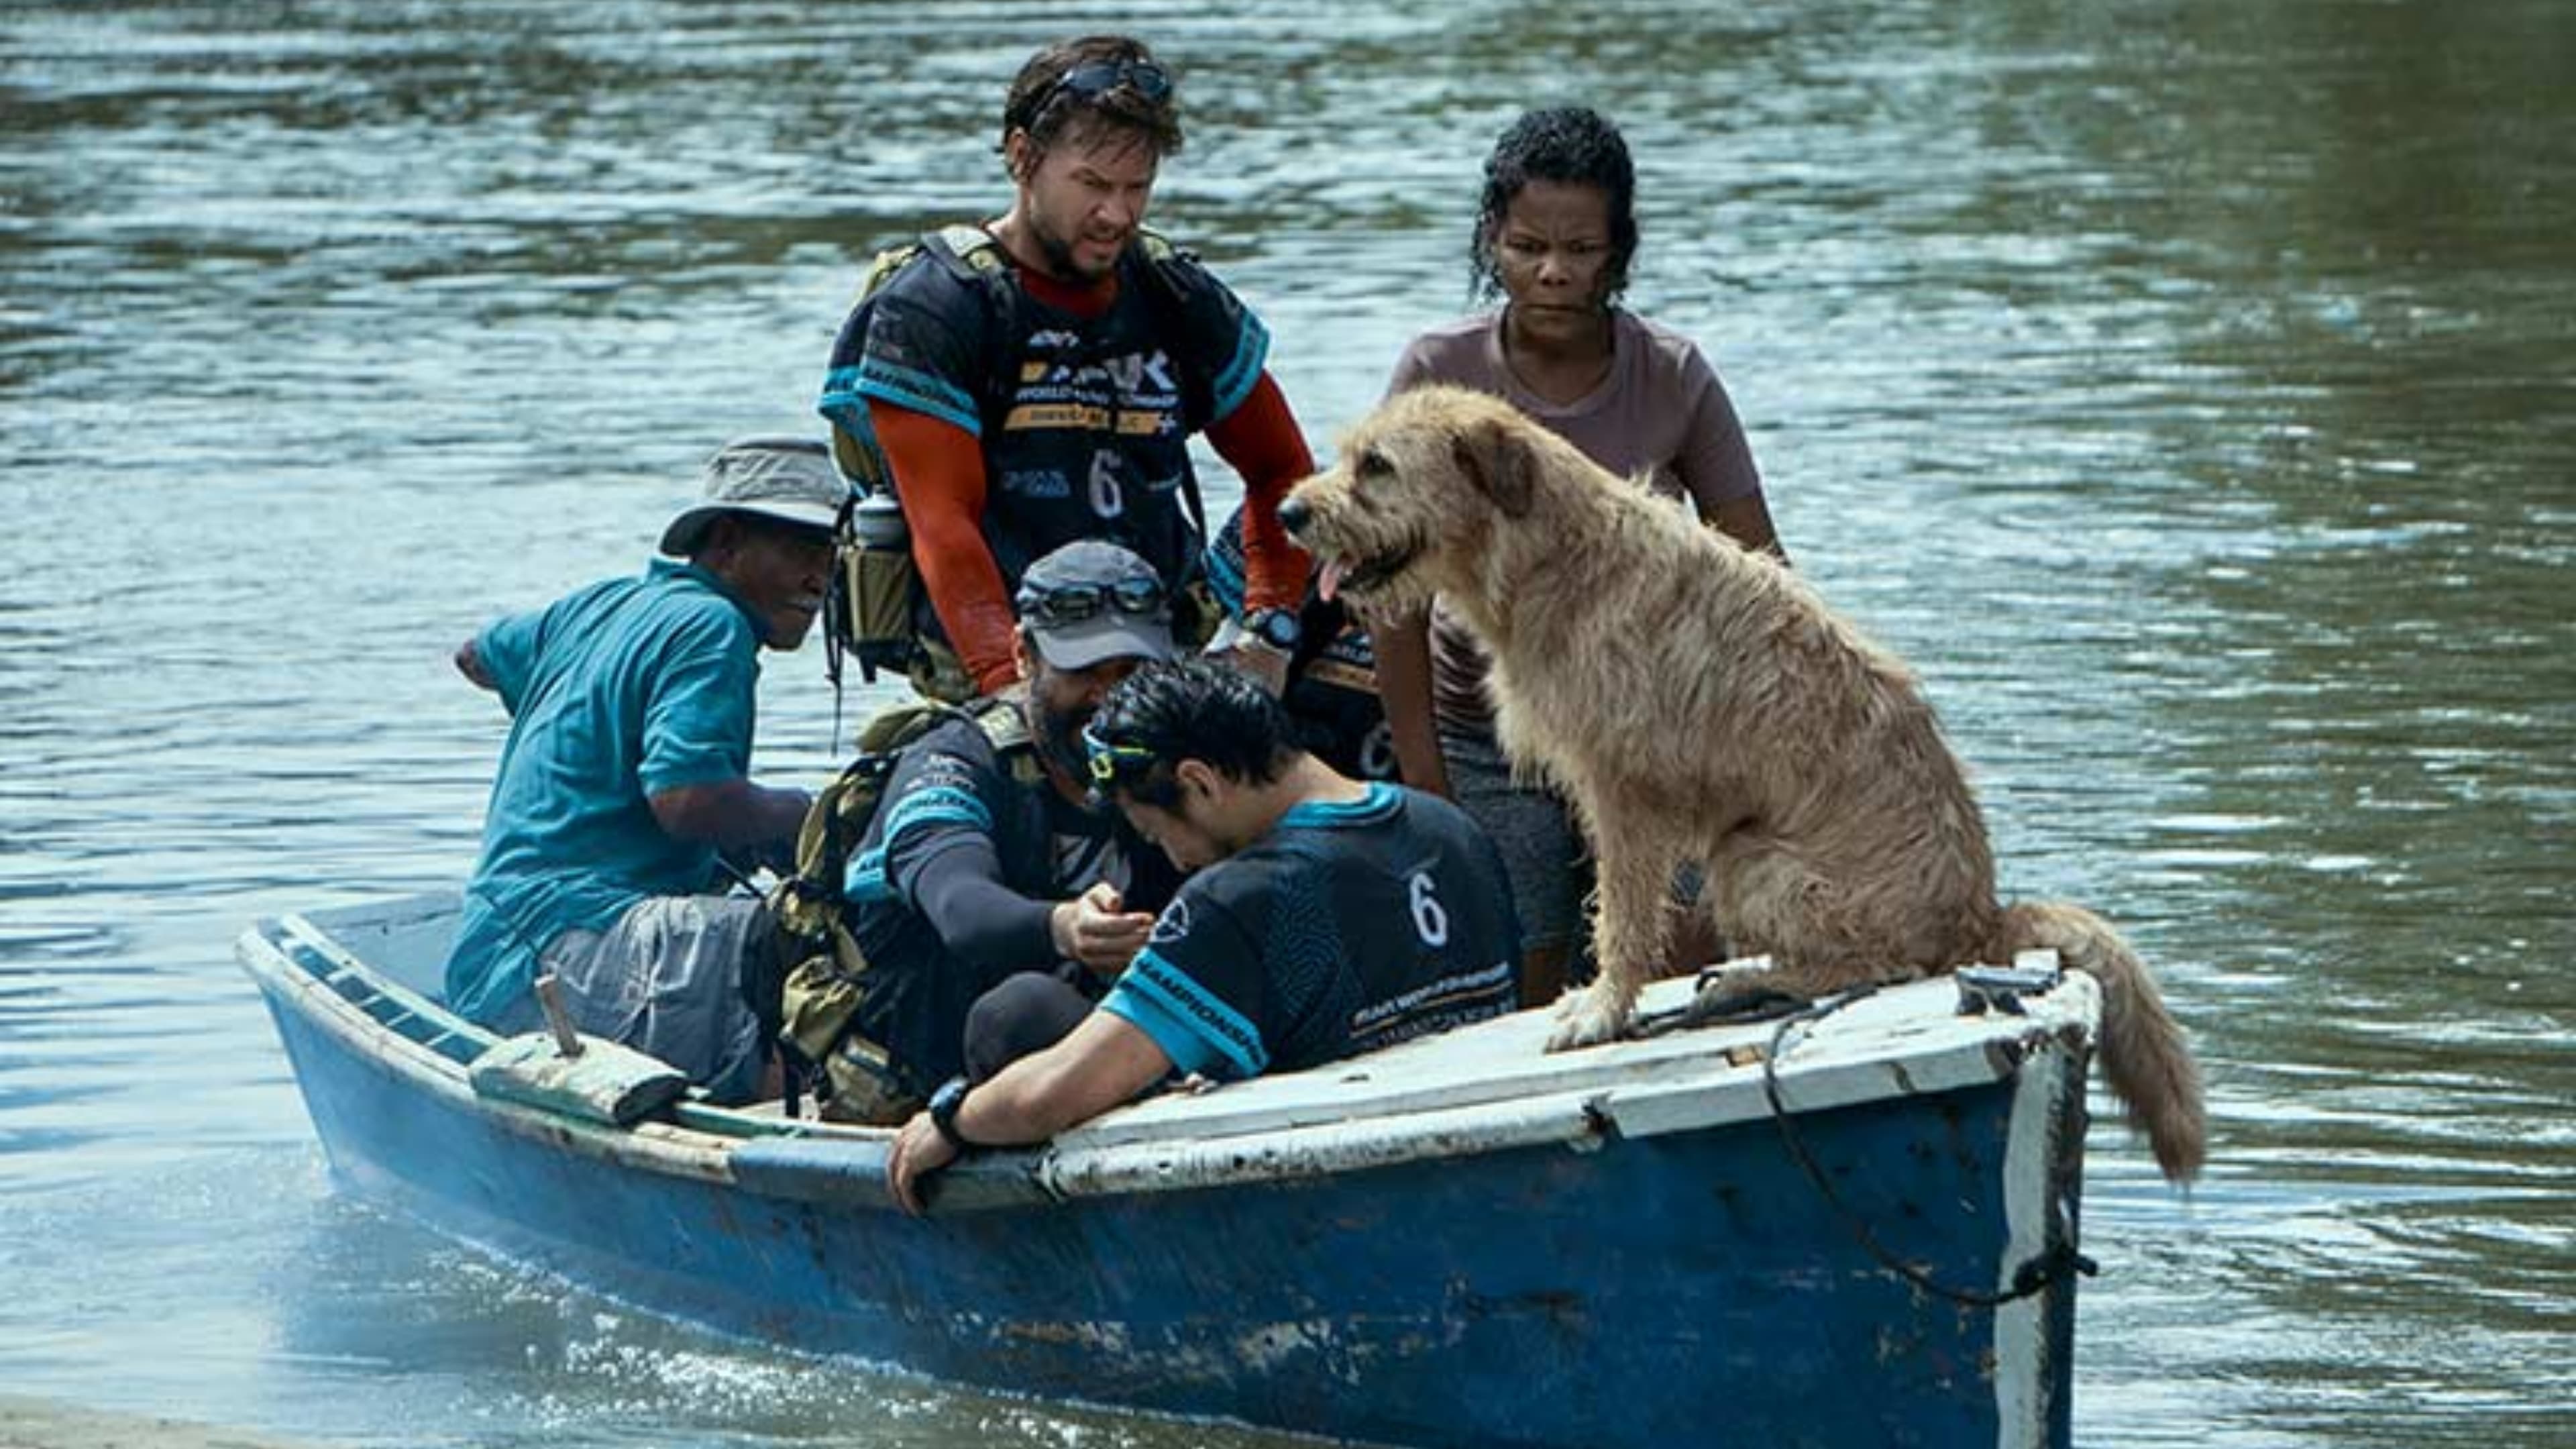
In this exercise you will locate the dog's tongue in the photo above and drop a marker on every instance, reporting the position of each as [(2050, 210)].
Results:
[(1331, 582)]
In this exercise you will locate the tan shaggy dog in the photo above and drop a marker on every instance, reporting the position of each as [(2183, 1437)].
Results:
[(1697, 702)]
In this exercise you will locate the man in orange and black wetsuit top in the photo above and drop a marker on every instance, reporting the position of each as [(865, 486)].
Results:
[(1044, 388)]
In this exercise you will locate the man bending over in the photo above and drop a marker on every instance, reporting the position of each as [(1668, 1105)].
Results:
[(1327, 917)]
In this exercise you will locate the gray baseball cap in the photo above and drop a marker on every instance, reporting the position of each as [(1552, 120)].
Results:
[(1090, 602), (786, 478)]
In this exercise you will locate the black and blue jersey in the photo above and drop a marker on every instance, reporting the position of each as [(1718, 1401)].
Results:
[(1348, 928), (1084, 422), (947, 894)]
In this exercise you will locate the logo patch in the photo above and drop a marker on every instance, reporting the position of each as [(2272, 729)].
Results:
[(1038, 483)]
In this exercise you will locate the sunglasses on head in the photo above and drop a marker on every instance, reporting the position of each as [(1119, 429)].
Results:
[(1075, 603), (1108, 758), (1096, 78)]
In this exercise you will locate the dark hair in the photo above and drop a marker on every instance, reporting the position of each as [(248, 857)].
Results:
[(1573, 144), (1041, 103), (1195, 710)]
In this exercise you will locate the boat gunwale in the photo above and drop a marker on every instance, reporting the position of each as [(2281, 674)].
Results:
[(842, 1164)]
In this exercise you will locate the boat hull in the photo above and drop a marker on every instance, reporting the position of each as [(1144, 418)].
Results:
[(1677, 1288)]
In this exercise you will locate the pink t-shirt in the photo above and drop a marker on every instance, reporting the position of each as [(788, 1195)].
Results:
[(1660, 414)]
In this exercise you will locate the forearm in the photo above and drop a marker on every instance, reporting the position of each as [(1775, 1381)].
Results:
[(1104, 1062), (1403, 648), (939, 478), (980, 920), (1028, 1102), (469, 662), (1748, 521), (731, 814), (1260, 441)]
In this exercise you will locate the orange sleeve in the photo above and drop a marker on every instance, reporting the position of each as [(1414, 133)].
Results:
[(1260, 441), (939, 477)]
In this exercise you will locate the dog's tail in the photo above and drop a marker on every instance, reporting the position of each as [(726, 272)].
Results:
[(2143, 1056)]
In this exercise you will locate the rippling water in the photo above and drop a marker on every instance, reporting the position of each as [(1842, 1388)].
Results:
[(2186, 390)]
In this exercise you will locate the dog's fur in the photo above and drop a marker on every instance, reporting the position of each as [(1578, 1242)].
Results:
[(1697, 702)]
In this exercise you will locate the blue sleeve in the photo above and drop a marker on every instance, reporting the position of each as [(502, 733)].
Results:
[(507, 650), (924, 349), (933, 802), (1196, 987), (698, 716), (1224, 343)]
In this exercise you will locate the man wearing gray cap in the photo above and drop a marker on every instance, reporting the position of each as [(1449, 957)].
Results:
[(627, 771), (988, 856)]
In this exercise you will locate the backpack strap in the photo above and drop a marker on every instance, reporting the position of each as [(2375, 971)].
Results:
[(1006, 728), (971, 255), (1163, 296), (976, 258), (968, 250)]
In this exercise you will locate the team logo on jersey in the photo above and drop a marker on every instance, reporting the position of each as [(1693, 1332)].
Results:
[(1172, 924), (1037, 483)]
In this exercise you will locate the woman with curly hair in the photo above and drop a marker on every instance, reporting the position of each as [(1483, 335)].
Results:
[(1555, 237)]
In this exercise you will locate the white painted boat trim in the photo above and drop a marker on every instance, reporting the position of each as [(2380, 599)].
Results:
[(1480, 1089)]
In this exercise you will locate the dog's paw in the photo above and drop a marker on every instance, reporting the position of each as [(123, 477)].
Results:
[(1587, 1018)]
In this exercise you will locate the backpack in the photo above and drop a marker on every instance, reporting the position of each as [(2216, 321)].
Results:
[(818, 977), (873, 608), (871, 611)]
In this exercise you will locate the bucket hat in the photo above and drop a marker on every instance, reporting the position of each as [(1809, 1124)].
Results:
[(786, 478)]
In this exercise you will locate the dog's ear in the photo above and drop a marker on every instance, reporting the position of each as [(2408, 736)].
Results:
[(1495, 459)]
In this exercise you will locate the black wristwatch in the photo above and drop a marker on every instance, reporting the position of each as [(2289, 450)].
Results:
[(1277, 628), (944, 1105)]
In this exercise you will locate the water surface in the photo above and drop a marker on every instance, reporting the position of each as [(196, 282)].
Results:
[(2185, 390)]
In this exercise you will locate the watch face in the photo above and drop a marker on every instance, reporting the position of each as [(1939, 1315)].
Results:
[(950, 1096), (1277, 628)]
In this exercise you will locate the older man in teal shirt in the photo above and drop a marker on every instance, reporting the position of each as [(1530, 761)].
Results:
[(627, 771)]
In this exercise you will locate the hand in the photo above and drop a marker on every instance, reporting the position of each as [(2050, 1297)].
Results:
[(1095, 929), (919, 1150), (469, 662), (1266, 665)]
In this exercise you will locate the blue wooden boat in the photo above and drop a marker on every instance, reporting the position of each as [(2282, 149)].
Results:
[(1851, 1229)]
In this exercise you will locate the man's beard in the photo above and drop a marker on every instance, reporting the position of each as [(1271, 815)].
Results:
[(1059, 741), (1059, 255)]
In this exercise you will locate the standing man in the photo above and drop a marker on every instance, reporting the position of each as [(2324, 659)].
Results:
[(1039, 383), (627, 771), (1327, 917), (988, 856)]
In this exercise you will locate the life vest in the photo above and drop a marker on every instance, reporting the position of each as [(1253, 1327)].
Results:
[(877, 602)]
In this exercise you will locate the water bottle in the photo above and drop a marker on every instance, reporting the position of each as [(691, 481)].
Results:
[(877, 522)]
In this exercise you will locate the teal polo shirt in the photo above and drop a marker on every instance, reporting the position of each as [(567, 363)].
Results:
[(616, 693)]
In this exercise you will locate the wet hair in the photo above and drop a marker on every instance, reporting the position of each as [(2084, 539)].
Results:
[(1571, 144), (1194, 710), (1040, 103)]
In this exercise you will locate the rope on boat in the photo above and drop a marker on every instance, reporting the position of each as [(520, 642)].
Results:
[(2035, 1275)]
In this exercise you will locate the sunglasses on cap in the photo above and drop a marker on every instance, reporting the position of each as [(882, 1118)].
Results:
[(1109, 759), (1075, 603)]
